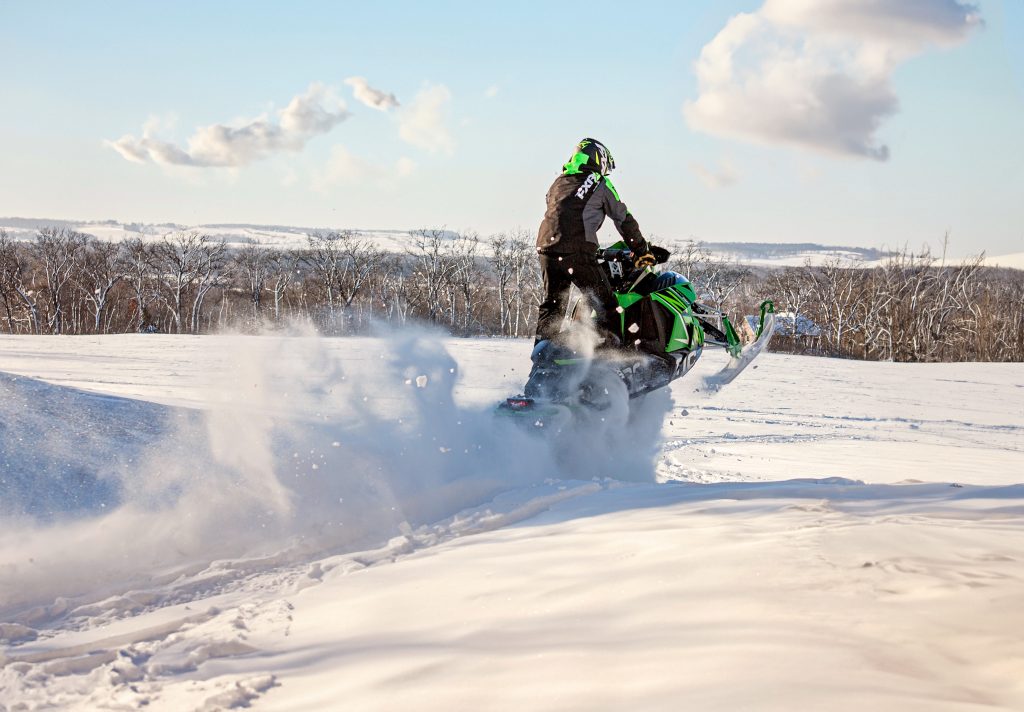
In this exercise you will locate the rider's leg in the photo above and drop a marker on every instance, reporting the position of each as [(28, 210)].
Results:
[(592, 281), (555, 270)]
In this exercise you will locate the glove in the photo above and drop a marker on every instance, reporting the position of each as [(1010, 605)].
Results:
[(645, 261), (660, 254)]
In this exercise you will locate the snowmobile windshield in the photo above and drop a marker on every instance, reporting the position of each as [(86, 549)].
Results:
[(682, 285), (670, 279)]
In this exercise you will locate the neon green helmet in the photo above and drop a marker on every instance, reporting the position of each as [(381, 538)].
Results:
[(590, 155)]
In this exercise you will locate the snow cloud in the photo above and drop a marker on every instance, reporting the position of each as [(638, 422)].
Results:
[(374, 98), (308, 115), (816, 73), (422, 124)]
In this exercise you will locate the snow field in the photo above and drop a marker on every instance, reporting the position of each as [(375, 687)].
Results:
[(768, 549)]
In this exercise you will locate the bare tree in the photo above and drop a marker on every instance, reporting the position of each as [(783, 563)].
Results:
[(514, 263), (57, 250), (16, 282), (212, 271), (715, 281), (503, 267), (140, 275), (325, 260), (393, 287), (689, 258), (102, 268), (177, 260), (281, 272), (793, 289), (255, 264), (468, 276), (342, 263), (432, 270), (836, 291), (7, 266), (361, 261)]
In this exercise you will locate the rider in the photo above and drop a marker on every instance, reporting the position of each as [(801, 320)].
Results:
[(577, 203)]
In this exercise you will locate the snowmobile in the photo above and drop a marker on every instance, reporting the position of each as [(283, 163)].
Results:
[(662, 328)]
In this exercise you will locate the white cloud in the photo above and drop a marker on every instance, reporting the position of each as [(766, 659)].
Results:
[(422, 124), (405, 167), (908, 24), (346, 168), (130, 148), (219, 145), (722, 177), (374, 98), (816, 73), (289, 177)]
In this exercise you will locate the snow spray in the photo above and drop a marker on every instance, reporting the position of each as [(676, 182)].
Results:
[(305, 448)]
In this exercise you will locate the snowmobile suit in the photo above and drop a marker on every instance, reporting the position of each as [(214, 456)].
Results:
[(560, 272), (577, 204)]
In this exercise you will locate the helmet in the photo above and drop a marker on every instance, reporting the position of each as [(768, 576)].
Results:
[(590, 154)]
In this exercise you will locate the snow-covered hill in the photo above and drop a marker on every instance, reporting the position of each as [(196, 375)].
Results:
[(284, 237), (306, 523), (1015, 261), (275, 236)]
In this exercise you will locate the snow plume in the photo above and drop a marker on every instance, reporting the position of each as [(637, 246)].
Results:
[(817, 73), (300, 451), (374, 98), (422, 124), (219, 145)]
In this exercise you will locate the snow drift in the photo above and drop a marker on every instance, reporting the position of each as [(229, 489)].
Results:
[(858, 525)]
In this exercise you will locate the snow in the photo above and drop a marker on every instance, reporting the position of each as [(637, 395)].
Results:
[(278, 237), (398, 241), (304, 523), (1015, 260)]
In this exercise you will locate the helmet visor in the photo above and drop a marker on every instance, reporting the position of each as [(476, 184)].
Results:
[(604, 158)]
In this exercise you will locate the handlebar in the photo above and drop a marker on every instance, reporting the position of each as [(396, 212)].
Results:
[(615, 254), (624, 254)]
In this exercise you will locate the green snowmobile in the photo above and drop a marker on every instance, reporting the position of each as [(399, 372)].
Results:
[(663, 330)]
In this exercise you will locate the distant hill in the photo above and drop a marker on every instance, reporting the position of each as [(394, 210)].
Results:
[(767, 254), (234, 234), (792, 253), (1016, 261)]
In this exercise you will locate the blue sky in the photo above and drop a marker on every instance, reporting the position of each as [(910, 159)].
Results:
[(781, 140)]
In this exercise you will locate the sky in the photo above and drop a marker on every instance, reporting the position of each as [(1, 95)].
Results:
[(870, 123)]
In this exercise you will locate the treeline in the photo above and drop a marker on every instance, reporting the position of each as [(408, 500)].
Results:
[(908, 308), (67, 282)]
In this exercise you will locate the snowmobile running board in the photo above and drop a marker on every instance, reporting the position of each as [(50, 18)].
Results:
[(518, 403), (540, 414)]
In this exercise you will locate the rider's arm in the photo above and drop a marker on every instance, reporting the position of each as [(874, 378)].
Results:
[(624, 221)]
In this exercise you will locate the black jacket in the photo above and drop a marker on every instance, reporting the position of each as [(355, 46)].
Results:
[(577, 206)]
